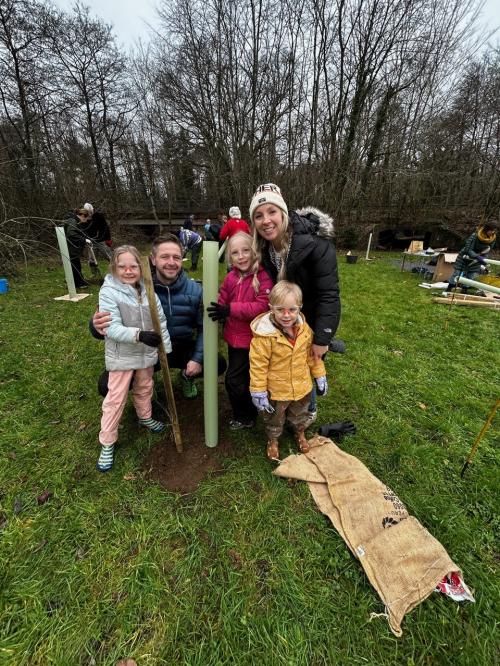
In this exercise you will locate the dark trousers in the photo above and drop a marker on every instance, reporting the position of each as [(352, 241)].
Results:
[(76, 267), (238, 384), (195, 251), (182, 353)]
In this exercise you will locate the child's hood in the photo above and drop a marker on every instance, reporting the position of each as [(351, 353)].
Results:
[(263, 325)]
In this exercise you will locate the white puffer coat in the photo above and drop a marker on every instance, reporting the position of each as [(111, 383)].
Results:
[(129, 315)]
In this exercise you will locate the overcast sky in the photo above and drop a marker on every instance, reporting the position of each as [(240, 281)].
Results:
[(129, 17)]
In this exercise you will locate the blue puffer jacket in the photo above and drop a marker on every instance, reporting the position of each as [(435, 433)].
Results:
[(182, 303), (129, 315)]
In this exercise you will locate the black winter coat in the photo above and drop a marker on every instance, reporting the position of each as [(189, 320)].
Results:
[(97, 228), (312, 265), (75, 235)]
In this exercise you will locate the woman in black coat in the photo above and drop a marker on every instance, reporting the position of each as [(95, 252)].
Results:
[(298, 247)]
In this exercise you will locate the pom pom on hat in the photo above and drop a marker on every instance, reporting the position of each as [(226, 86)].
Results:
[(234, 211), (267, 193)]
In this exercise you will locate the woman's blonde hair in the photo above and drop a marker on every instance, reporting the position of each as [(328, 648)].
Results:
[(254, 267), (121, 250), (259, 243), (281, 290)]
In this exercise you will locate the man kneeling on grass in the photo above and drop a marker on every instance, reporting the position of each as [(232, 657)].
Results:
[(182, 302)]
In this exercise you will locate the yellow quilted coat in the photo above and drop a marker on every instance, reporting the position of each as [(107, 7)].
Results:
[(277, 366)]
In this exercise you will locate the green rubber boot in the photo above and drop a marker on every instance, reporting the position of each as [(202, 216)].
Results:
[(189, 389)]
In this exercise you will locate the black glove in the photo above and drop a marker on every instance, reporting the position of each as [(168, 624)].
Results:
[(150, 338), (218, 312), (337, 430), (337, 345)]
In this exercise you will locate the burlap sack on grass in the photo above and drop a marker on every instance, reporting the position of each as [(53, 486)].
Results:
[(403, 562)]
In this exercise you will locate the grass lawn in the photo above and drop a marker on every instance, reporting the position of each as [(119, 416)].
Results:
[(244, 570)]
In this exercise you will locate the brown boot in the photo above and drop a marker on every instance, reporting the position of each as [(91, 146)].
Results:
[(301, 440), (273, 452)]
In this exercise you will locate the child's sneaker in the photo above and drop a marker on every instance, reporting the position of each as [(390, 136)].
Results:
[(153, 425), (312, 417), (236, 424), (189, 389), (107, 458)]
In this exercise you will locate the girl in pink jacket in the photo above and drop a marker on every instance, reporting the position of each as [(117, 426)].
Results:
[(243, 295)]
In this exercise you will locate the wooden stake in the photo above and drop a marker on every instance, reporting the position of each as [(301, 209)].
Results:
[(169, 392), (480, 436), (489, 304), (489, 298)]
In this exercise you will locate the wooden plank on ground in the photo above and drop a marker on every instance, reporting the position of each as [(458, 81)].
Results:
[(491, 305), (472, 297)]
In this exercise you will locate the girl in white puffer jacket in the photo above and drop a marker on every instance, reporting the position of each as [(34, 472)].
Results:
[(130, 348)]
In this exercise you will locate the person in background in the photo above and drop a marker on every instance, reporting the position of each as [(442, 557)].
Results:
[(97, 229), (471, 258), (191, 242), (188, 222), (243, 295), (234, 224), (298, 247), (206, 228), (213, 232), (130, 349), (281, 364), (74, 225)]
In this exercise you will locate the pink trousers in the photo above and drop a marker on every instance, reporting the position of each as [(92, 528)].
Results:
[(116, 399)]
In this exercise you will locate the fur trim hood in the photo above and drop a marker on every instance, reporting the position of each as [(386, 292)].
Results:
[(314, 221)]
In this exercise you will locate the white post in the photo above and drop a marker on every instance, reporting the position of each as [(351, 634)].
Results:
[(369, 246), (479, 285), (492, 262), (222, 248), (68, 273)]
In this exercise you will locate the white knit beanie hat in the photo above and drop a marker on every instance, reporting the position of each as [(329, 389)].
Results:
[(267, 193), (234, 211), (89, 208)]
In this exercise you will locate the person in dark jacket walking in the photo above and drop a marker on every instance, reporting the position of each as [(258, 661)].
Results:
[(298, 247), (471, 258), (182, 302)]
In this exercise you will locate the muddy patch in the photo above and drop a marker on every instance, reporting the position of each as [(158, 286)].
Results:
[(183, 472)]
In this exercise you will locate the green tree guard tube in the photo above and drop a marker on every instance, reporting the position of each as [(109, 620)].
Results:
[(210, 343)]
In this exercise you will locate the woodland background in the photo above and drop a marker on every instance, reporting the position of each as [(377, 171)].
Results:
[(383, 113)]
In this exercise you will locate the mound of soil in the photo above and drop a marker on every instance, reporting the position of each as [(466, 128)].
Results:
[(183, 472)]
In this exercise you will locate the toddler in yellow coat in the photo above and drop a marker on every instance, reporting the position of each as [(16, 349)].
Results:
[(281, 365)]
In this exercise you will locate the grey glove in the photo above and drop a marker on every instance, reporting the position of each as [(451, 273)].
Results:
[(321, 385), (261, 401)]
